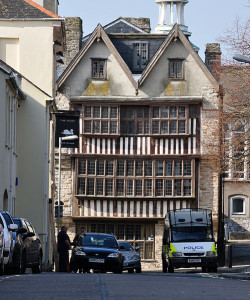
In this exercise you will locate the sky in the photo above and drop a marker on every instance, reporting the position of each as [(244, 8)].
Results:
[(207, 20)]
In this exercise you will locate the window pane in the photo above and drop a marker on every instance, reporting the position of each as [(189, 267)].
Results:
[(100, 167), (99, 187), (173, 112), (148, 187), (129, 187), (131, 113), (169, 168), (101, 68), (130, 168), (110, 228), (81, 166), (173, 127), (120, 168), (156, 127), (109, 187), (109, 167), (192, 111), (120, 187), (168, 188), (105, 127), (96, 112), (91, 167), (146, 127), (172, 69), (87, 126), (90, 186), (164, 111), (81, 186), (178, 168), (177, 187), (120, 232), (149, 248), (138, 168), (101, 228), (113, 127), (105, 112), (123, 112), (139, 235), (182, 126), (187, 187), (164, 127), (148, 168), (113, 113), (156, 113), (130, 232), (138, 187), (96, 126), (159, 168), (95, 68), (159, 187), (140, 112), (140, 127), (179, 69), (131, 127), (87, 110), (146, 112), (187, 168), (238, 205), (182, 112)]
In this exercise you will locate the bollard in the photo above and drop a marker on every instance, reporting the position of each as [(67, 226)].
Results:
[(228, 256)]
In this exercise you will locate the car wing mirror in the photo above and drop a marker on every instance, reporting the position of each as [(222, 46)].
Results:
[(13, 227), (30, 234), (137, 248), (21, 230)]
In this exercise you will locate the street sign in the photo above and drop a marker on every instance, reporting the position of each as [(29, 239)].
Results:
[(67, 125)]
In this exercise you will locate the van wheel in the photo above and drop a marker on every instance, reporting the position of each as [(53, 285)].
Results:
[(204, 270), (138, 270), (214, 269)]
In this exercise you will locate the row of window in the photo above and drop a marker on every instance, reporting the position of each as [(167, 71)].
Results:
[(134, 168), (133, 187)]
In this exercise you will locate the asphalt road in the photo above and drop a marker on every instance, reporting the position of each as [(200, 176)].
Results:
[(58, 286)]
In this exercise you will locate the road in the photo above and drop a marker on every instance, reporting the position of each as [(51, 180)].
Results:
[(148, 285)]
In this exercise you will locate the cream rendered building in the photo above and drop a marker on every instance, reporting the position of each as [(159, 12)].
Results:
[(30, 37)]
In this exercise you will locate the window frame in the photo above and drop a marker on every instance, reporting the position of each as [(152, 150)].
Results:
[(98, 61), (176, 61), (245, 205)]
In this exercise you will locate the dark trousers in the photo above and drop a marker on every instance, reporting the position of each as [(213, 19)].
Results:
[(63, 261)]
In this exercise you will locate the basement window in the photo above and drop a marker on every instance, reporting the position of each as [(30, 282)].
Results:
[(238, 205), (99, 70), (176, 69)]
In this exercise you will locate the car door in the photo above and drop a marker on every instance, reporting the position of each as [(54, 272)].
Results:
[(29, 241)]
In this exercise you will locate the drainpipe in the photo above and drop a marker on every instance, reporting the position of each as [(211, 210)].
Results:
[(12, 149), (47, 160)]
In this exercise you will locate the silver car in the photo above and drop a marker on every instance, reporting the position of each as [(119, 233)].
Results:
[(131, 257), (1, 248)]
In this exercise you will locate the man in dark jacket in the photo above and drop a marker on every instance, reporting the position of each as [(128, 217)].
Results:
[(76, 238), (63, 248)]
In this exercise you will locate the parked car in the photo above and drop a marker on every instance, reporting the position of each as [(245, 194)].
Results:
[(32, 254), (97, 251), (1, 248), (131, 257), (8, 228)]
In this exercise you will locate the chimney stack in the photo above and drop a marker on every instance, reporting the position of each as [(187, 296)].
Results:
[(213, 57)]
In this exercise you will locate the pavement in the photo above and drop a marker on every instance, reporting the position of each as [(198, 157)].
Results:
[(240, 272)]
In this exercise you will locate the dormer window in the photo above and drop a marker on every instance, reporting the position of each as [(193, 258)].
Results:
[(99, 68), (176, 69), (140, 60)]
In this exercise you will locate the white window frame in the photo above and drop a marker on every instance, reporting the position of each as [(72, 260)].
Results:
[(245, 205)]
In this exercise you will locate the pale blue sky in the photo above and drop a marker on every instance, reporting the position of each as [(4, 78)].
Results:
[(206, 19)]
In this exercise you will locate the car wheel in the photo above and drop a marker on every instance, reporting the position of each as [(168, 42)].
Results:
[(204, 270), (119, 270), (138, 270), (214, 269), (130, 270), (23, 268), (18, 263), (1, 268), (8, 269), (37, 269)]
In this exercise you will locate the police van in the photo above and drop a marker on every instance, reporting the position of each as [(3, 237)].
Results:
[(188, 241)]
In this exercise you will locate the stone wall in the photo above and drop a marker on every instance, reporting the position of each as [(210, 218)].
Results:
[(73, 28)]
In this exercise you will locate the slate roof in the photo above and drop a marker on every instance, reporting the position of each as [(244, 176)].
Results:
[(24, 9)]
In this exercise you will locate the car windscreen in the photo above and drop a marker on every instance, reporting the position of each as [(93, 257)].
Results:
[(126, 247), (192, 234), (18, 222), (98, 241)]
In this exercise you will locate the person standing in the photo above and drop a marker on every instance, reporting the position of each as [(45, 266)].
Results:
[(76, 238), (63, 247)]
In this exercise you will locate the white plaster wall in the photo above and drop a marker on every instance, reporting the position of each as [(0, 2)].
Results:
[(35, 51), (80, 78)]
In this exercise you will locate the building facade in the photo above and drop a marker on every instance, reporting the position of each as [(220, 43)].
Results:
[(148, 108)]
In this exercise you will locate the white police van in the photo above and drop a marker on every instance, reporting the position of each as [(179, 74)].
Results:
[(188, 240)]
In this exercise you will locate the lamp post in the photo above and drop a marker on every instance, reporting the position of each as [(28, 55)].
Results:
[(66, 138)]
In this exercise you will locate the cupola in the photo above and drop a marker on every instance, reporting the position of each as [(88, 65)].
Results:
[(171, 12)]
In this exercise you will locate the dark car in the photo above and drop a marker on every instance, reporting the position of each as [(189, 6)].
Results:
[(97, 251), (131, 257), (31, 256)]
